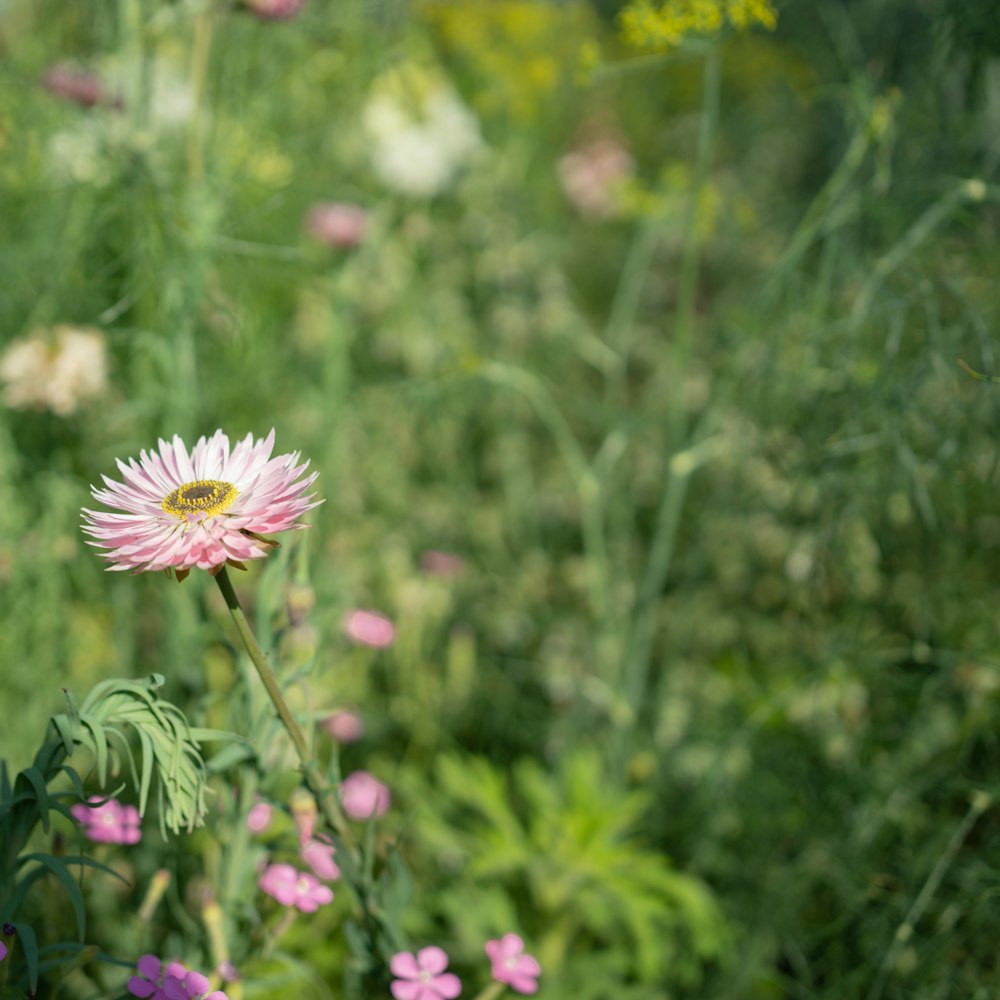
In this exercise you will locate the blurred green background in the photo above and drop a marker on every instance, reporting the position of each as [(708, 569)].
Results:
[(661, 346)]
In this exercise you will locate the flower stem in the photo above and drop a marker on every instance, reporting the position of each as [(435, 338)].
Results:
[(315, 779), (492, 991)]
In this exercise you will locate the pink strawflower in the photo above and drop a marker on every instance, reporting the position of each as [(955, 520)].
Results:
[(274, 10), (202, 508), (512, 966), (344, 726), (369, 629), (422, 976), (337, 224), (260, 816), (294, 888), (318, 855), (108, 823), (364, 796), (170, 981)]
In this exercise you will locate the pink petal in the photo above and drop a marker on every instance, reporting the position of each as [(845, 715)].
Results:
[(432, 959), (141, 987), (447, 985), (406, 989), (405, 965)]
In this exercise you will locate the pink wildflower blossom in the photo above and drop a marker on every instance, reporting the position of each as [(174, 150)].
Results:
[(422, 976), (438, 563), (344, 726), (511, 965), (78, 86), (294, 888), (170, 981), (3, 951), (109, 823), (369, 629), (274, 10), (336, 224), (202, 508), (318, 855), (364, 796), (260, 816)]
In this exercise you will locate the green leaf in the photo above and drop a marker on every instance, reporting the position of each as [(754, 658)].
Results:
[(37, 781), (26, 938)]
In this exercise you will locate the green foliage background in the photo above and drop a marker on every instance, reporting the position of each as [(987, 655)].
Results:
[(711, 708)]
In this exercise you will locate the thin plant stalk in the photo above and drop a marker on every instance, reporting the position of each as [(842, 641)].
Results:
[(312, 772)]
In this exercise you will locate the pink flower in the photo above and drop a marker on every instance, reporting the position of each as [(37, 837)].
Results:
[(511, 965), (260, 816), (592, 176), (171, 981), (422, 977), (336, 224), (344, 726), (3, 951), (78, 86), (438, 563), (109, 823), (200, 509), (369, 629), (364, 796), (274, 10), (318, 855), (294, 888)]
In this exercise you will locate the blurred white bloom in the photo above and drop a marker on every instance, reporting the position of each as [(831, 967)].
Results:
[(592, 176), (77, 153), (54, 370), (421, 132)]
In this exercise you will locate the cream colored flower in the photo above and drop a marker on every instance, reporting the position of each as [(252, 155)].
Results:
[(55, 369)]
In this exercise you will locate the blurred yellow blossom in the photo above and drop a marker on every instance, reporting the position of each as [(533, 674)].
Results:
[(520, 51), (657, 26)]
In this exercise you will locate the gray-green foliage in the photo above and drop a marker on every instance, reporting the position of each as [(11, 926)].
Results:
[(562, 847)]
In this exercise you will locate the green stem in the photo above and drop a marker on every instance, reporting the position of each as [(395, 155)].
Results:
[(678, 469), (326, 796), (492, 991)]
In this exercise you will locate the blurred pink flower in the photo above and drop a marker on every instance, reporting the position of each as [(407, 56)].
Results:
[(438, 563), (3, 951), (369, 629), (260, 816), (318, 855), (294, 888), (78, 86), (337, 224), (344, 726), (422, 976), (364, 796), (170, 981), (228, 972), (202, 508), (274, 10), (511, 965), (591, 175), (109, 823)]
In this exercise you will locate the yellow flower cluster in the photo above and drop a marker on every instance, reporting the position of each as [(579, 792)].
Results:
[(648, 25)]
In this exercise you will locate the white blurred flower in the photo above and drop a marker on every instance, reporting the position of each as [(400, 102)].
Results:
[(421, 133), (592, 175), (54, 370)]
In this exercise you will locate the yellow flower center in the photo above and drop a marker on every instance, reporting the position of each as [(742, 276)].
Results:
[(204, 496)]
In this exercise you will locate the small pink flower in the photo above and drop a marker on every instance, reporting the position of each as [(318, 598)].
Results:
[(437, 563), (294, 888), (171, 981), (228, 972), (318, 855), (511, 965), (260, 816), (344, 726), (3, 951), (369, 629), (78, 86), (336, 224), (364, 796), (422, 976), (274, 10), (109, 823)]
